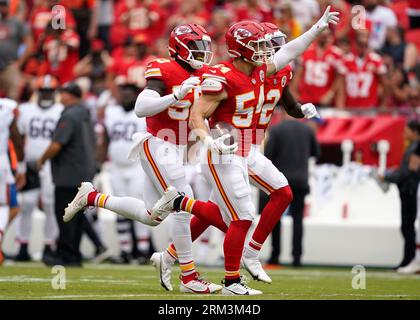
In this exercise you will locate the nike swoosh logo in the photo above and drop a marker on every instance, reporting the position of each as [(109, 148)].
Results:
[(212, 71)]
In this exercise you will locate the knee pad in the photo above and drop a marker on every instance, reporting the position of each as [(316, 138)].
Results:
[(283, 194)]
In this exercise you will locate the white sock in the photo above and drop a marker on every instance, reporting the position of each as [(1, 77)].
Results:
[(143, 237), (50, 225), (24, 224), (168, 257), (131, 208), (250, 252), (181, 233), (4, 218), (124, 235)]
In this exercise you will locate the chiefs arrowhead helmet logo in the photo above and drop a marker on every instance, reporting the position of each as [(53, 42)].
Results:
[(182, 30), (241, 33)]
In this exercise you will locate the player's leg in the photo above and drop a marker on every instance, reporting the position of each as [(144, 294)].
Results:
[(142, 233), (202, 191), (163, 163), (4, 209), (47, 197), (265, 176), (24, 222), (128, 207), (229, 179), (123, 225)]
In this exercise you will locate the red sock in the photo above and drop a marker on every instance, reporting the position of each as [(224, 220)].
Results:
[(233, 247), (280, 199), (197, 226), (205, 211)]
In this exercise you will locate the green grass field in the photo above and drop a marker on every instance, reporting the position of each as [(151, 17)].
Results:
[(33, 281)]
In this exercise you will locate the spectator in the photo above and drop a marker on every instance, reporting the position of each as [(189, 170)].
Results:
[(105, 21), (190, 12), (407, 182), (131, 63), (398, 88), (305, 11), (60, 50), (320, 74), (290, 145), (283, 17), (94, 66), (13, 34), (256, 10), (405, 55), (382, 18), (85, 13), (365, 82), (42, 14), (138, 17), (72, 162)]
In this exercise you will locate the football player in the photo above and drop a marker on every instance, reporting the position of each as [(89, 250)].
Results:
[(165, 102), (120, 124), (233, 93), (263, 174), (36, 122), (8, 128)]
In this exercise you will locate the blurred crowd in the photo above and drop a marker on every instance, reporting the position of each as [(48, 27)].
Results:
[(370, 60)]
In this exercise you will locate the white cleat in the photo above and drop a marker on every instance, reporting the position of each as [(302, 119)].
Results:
[(79, 202), (240, 289), (165, 204), (163, 270), (199, 286), (412, 268), (255, 269)]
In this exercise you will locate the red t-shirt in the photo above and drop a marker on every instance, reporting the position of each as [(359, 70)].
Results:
[(131, 69), (362, 79), (319, 73), (61, 58)]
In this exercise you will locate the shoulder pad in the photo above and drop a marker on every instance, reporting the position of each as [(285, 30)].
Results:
[(211, 85), (155, 69)]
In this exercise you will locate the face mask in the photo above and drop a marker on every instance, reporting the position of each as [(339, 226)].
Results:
[(46, 99), (128, 106)]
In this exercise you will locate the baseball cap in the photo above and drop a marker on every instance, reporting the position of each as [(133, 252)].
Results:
[(71, 88)]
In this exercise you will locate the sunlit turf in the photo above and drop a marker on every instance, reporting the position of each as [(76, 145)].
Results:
[(106, 281)]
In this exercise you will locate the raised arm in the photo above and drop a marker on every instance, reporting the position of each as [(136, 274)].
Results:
[(296, 47)]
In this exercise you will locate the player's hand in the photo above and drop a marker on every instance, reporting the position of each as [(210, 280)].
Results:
[(218, 145), (186, 86), (20, 180), (327, 18), (309, 111)]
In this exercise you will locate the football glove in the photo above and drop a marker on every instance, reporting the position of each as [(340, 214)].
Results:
[(186, 86), (218, 145), (309, 111)]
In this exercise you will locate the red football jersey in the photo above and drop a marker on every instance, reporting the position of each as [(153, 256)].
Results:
[(172, 123), (62, 55), (362, 79), (319, 73), (273, 90), (244, 102)]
